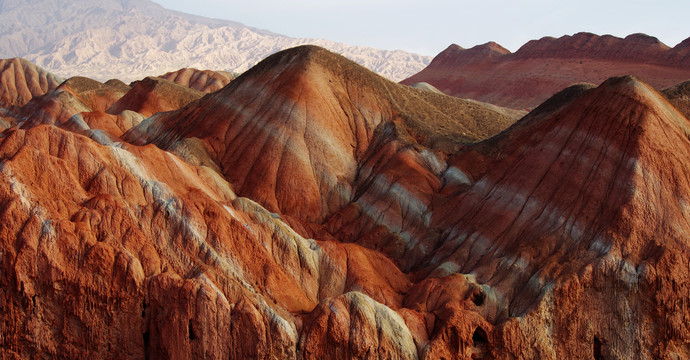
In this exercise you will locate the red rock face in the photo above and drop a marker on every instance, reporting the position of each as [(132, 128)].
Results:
[(541, 68), (207, 81), (551, 239), (312, 210)]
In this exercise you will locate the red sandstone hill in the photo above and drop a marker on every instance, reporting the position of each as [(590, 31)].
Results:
[(304, 119), (207, 81), (540, 68), (568, 210), (311, 209)]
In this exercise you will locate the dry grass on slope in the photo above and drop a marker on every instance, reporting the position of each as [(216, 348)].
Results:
[(679, 96)]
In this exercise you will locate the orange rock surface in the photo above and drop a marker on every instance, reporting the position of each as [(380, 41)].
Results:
[(540, 68), (311, 209)]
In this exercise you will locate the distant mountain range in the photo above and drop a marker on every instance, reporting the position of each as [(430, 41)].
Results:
[(128, 39)]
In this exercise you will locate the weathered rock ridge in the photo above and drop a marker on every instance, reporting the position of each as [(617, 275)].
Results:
[(312, 209)]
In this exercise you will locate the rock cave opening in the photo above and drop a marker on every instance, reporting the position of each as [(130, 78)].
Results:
[(480, 344), (145, 335), (597, 349), (192, 336), (479, 338)]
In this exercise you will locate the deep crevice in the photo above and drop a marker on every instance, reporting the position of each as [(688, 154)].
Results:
[(192, 336), (146, 345), (479, 338), (597, 349)]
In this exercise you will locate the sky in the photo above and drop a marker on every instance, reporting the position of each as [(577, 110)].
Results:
[(428, 27)]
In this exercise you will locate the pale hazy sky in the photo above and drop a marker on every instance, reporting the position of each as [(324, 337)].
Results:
[(428, 27)]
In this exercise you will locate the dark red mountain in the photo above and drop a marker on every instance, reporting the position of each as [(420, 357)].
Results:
[(540, 68)]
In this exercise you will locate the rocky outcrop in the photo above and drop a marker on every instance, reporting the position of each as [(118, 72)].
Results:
[(562, 236), (134, 252), (85, 105), (79, 104), (540, 68), (551, 242), (207, 81)]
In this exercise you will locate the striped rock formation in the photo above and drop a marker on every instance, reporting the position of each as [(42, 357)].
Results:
[(311, 209)]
